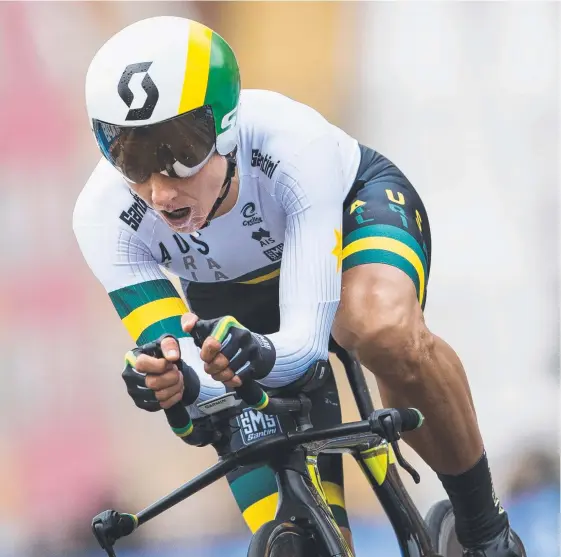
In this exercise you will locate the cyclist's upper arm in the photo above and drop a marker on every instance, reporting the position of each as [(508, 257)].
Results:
[(311, 190), (145, 299)]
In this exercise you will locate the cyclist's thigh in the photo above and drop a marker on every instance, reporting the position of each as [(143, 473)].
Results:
[(385, 221), (255, 488)]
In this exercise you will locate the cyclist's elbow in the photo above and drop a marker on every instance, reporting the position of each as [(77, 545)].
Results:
[(294, 363)]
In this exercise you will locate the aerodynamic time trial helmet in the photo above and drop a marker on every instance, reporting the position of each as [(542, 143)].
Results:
[(162, 95)]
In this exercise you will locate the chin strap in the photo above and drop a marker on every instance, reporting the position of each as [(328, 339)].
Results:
[(230, 171)]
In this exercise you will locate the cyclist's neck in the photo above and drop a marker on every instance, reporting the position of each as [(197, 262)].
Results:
[(232, 197)]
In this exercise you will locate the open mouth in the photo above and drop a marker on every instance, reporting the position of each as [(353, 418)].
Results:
[(178, 214)]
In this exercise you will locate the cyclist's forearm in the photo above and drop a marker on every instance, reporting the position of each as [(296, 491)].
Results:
[(310, 288)]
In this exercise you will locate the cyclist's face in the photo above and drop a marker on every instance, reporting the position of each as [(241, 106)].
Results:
[(184, 203)]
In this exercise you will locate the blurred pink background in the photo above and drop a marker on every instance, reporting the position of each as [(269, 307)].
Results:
[(462, 96)]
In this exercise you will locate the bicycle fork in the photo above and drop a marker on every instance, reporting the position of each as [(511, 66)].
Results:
[(378, 465), (302, 500)]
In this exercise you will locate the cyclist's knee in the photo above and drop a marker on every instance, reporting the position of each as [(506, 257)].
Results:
[(393, 343), (380, 318)]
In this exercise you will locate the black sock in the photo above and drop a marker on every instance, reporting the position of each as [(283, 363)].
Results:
[(479, 515)]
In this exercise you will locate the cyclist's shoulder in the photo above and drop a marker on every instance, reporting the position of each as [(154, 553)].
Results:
[(277, 130), (274, 107), (277, 116), (104, 189), (107, 201)]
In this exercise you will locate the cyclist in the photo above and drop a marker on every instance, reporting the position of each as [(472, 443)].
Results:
[(268, 213)]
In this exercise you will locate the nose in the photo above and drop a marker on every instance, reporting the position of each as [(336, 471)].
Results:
[(163, 192)]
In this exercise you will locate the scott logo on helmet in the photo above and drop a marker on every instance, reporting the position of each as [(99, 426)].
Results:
[(152, 93), (229, 119)]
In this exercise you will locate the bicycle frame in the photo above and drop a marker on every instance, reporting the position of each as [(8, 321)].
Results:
[(293, 457), (303, 502), (377, 463)]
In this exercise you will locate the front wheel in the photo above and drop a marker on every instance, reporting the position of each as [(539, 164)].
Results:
[(282, 539), (441, 526)]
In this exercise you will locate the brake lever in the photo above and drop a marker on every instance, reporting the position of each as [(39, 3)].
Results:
[(404, 464), (385, 418)]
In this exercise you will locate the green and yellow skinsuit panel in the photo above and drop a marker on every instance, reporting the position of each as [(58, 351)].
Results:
[(384, 221), (260, 275), (257, 497), (150, 309), (255, 487), (329, 487)]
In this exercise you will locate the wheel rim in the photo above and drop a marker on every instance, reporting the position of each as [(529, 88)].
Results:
[(447, 541), (289, 544)]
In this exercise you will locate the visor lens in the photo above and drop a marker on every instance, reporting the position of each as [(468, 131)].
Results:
[(139, 151)]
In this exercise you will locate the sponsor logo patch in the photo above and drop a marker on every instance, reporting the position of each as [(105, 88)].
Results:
[(274, 253), (255, 425), (134, 214), (264, 162), (248, 211)]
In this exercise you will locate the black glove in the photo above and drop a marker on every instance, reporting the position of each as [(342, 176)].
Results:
[(144, 397), (249, 354)]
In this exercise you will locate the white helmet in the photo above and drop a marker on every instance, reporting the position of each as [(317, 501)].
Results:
[(162, 95)]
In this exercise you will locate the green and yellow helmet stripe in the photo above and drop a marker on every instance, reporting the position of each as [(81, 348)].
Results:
[(223, 91), (197, 67), (211, 76)]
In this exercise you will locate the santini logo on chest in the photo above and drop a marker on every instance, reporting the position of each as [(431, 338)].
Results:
[(264, 162)]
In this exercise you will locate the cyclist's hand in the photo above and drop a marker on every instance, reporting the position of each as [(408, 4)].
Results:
[(216, 364), (229, 347), (154, 383)]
